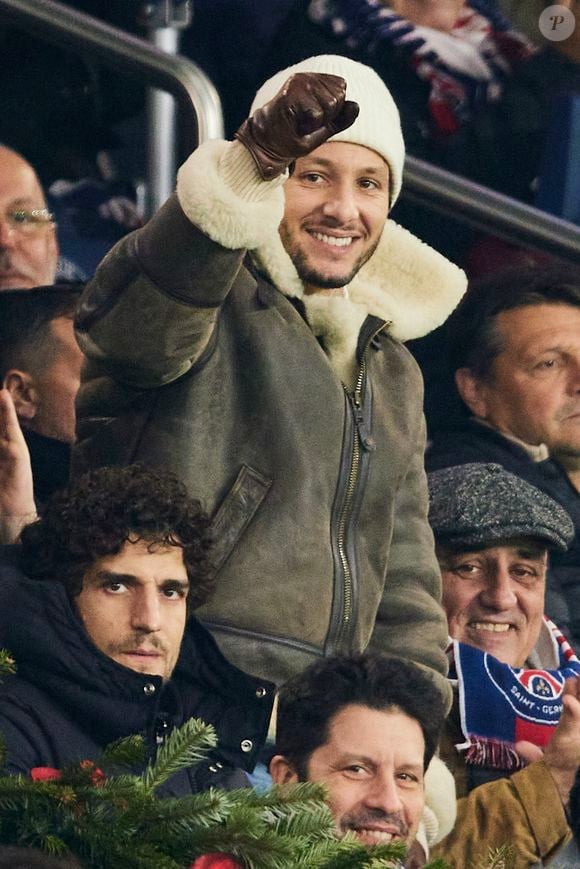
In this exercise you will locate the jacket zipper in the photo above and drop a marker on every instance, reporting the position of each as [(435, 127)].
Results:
[(361, 438), (354, 402)]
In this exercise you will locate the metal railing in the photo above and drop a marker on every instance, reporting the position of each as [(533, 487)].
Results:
[(201, 118), (488, 211), (199, 105)]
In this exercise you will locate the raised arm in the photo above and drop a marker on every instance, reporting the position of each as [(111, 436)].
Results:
[(17, 507), (151, 311), (528, 810)]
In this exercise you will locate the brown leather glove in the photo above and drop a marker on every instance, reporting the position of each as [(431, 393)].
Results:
[(309, 109)]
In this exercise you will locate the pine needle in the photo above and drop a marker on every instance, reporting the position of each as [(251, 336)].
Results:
[(184, 747)]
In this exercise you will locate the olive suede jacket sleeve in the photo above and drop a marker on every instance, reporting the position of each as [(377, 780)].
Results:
[(174, 273), (169, 270), (524, 812)]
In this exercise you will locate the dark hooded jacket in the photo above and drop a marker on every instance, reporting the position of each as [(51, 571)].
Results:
[(68, 700)]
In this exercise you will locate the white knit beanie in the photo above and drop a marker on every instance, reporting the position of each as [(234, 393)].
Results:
[(378, 125)]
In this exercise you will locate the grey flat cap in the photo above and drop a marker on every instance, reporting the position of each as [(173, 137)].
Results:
[(479, 504)]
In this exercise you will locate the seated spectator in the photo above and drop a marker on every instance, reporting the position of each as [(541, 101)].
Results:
[(97, 613), (28, 243), (514, 346), (40, 366), (509, 665), (367, 728)]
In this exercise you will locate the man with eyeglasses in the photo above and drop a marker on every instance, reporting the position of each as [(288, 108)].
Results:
[(28, 244)]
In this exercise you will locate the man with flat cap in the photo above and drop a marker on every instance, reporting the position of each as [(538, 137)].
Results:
[(514, 675)]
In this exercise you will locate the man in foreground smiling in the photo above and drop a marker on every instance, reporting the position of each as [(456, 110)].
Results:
[(509, 665), (367, 728), (96, 611)]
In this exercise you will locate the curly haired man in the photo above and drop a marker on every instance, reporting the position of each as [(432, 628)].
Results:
[(96, 611)]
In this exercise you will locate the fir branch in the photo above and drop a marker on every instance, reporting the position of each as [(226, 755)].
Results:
[(120, 823), (184, 813), (54, 845), (353, 853), (129, 751), (184, 747)]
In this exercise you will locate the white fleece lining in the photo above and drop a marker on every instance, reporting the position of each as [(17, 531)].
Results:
[(405, 282), (337, 320), (440, 801), (235, 218)]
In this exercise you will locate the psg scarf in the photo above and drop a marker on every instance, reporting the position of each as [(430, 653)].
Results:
[(501, 705)]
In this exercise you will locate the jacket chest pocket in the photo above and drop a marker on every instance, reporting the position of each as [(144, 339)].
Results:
[(236, 512)]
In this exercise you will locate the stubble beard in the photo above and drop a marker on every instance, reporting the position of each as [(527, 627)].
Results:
[(308, 273)]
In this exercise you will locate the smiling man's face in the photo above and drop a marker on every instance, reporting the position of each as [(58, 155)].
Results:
[(336, 205), (372, 768), (494, 597), (133, 606)]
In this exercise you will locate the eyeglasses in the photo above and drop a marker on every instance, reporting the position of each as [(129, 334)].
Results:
[(28, 222)]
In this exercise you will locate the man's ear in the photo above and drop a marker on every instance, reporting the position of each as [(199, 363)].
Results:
[(282, 771), (22, 388), (472, 391)]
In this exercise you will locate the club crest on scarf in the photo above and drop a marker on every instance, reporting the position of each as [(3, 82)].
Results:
[(501, 705)]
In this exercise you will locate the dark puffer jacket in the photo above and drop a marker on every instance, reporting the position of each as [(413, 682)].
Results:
[(69, 700)]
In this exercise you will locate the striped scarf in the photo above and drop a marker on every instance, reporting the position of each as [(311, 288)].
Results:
[(465, 68), (501, 705)]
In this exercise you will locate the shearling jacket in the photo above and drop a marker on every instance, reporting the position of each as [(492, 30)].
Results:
[(68, 700), (298, 423)]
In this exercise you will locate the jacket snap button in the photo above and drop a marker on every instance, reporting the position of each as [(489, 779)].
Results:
[(213, 768), (246, 745), (149, 688), (260, 692)]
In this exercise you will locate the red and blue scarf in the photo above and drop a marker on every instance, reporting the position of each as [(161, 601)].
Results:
[(502, 705), (459, 83)]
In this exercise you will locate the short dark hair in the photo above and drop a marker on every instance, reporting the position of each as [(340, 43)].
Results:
[(96, 515), (309, 701), (25, 318), (474, 341)]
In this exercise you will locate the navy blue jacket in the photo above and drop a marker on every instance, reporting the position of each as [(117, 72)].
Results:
[(68, 699)]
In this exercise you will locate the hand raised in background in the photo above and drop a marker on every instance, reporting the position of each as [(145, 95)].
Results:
[(562, 754), (17, 507)]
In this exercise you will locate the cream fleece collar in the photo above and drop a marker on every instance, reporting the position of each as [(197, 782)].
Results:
[(405, 282)]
